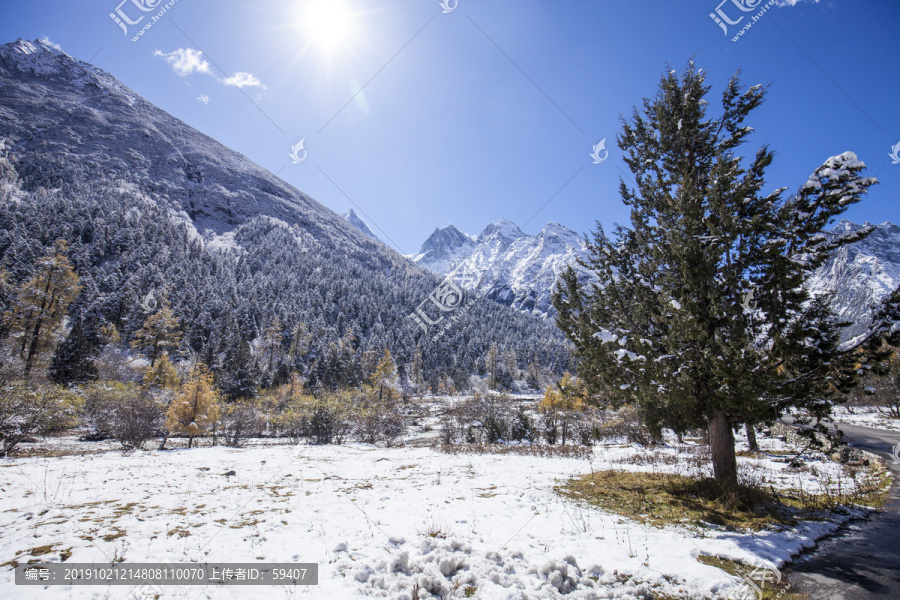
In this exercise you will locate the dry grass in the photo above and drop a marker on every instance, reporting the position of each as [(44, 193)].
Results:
[(662, 499), (779, 591), (543, 450)]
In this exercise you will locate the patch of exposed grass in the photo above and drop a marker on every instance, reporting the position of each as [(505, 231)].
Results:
[(245, 523), (179, 531), (110, 537), (39, 550), (770, 590), (127, 509), (544, 450), (662, 499)]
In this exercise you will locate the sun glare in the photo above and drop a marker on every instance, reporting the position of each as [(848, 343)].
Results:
[(328, 23)]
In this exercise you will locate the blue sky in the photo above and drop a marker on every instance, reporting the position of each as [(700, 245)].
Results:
[(489, 110)]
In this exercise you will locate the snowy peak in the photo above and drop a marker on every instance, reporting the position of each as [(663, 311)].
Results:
[(515, 269), (40, 58), (24, 52), (78, 120), (352, 218), (444, 249), (860, 275), (503, 229), (44, 60)]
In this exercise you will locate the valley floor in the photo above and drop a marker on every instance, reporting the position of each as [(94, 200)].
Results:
[(380, 522)]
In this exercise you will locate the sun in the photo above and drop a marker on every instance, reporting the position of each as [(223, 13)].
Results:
[(328, 24)]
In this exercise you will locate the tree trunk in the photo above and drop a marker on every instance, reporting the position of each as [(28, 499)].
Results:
[(190, 441), (162, 445), (721, 446), (751, 437)]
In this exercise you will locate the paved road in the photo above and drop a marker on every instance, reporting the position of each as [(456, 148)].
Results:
[(863, 561)]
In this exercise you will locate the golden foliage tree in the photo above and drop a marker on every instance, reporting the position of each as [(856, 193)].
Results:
[(162, 375), (384, 378), (196, 408), (561, 403), (41, 303)]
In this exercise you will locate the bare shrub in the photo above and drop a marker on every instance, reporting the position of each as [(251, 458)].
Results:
[(521, 427), (239, 420), (626, 423), (29, 408), (324, 419), (375, 419), (484, 418), (123, 411)]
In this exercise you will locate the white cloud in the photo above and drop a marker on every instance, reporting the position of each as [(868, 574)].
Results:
[(47, 41), (242, 80), (203, 98), (794, 2), (186, 61)]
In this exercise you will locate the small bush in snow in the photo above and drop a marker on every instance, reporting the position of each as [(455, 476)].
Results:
[(123, 411), (32, 408)]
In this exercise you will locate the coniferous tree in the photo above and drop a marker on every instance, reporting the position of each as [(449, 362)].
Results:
[(41, 303), (240, 375), (417, 371), (160, 333), (492, 365), (162, 375), (270, 349), (701, 317), (196, 408), (384, 378), (73, 359)]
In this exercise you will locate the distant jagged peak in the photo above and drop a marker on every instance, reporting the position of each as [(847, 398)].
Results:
[(503, 228), (351, 217), (557, 229), (444, 239)]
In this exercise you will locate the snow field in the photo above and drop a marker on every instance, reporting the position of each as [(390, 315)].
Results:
[(381, 522)]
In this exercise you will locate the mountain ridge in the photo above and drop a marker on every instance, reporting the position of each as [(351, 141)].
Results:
[(520, 270), (513, 268)]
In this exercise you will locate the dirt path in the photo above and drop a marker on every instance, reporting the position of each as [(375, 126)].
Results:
[(863, 561)]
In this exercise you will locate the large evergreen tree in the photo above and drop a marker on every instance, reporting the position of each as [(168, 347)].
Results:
[(699, 315)]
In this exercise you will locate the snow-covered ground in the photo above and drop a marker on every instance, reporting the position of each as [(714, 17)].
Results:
[(366, 514), (870, 416)]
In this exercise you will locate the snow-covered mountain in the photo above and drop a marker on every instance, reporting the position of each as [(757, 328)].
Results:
[(520, 270), (351, 217), (860, 275), (79, 118), (512, 267), (150, 204)]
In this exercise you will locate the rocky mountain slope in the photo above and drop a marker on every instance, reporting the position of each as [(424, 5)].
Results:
[(149, 204), (860, 275)]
